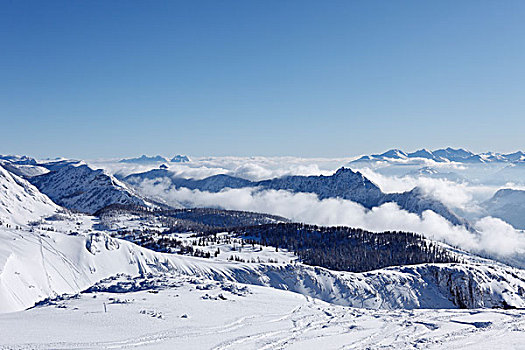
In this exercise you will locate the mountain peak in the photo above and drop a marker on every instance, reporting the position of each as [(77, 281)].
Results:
[(179, 158), (394, 153), (421, 153), (343, 171)]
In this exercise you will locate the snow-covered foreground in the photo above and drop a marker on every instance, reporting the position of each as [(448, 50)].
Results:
[(39, 264), (181, 312)]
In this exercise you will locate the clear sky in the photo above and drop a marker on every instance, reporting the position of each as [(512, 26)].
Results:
[(306, 78)]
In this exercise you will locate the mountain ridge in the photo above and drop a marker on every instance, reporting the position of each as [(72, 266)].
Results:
[(344, 183), (448, 154), (76, 186)]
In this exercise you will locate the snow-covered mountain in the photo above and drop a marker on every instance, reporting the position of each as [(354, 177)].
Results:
[(213, 183), (344, 183), (144, 159), (56, 164), (22, 160), (518, 156), (20, 201), (76, 186), (425, 153), (443, 155), (508, 205), (390, 154), (22, 166), (24, 170), (457, 155), (179, 158), (36, 266)]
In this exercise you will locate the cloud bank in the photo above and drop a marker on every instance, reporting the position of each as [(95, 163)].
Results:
[(251, 168), (463, 194), (495, 237)]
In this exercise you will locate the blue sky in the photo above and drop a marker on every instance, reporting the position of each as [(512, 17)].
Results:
[(305, 78)]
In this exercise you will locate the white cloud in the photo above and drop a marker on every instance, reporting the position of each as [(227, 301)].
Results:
[(463, 196), (305, 207), (252, 168), (495, 236)]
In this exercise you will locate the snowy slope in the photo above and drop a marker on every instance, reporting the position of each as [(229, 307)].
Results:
[(184, 313), (21, 160), (43, 263), (21, 202), (23, 170), (77, 186)]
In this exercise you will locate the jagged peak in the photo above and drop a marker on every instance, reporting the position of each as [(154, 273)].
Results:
[(179, 158), (343, 170), (421, 153), (394, 153), (456, 151)]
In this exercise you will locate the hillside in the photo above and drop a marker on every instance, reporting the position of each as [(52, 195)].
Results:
[(45, 263), (76, 186), (20, 201)]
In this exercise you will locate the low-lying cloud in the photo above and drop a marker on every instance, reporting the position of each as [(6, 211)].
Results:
[(463, 192), (251, 168), (495, 237), (462, 196)]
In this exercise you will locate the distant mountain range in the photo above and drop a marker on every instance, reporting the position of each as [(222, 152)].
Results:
[(156, 159), (344, 183), (74, 185), (445, 155)]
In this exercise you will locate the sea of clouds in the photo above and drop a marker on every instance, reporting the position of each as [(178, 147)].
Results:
[(492, 236)]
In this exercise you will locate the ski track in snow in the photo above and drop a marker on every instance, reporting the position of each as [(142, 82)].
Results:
[(303, 323)]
